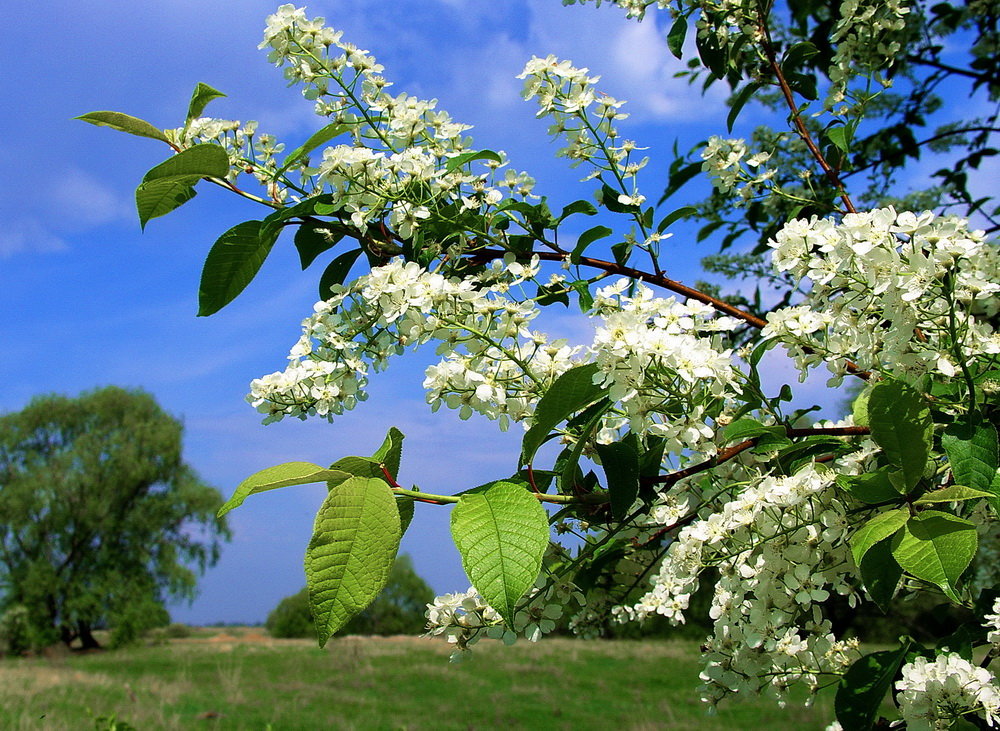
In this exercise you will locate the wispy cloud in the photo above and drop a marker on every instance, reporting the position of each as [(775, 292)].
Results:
[(28, 236)]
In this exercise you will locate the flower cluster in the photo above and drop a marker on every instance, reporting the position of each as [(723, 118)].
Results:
[(866, 38), (663, 363), (567, 94), (934, 693), (464, 618), (493, 363), (398, 164), (780, 548), (724, 162), (891, 292)]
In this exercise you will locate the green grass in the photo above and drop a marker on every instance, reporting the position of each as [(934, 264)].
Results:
[(372, 683)]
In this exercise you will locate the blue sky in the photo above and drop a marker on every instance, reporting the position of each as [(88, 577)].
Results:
[(92, 300)]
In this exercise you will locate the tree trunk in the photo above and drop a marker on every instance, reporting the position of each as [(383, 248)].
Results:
[(87, 641)]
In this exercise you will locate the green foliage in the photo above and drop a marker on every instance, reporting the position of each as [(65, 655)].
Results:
[(502, 534), (349, 557), (398, 609), (16, 636), (232, 263), (100, 518)]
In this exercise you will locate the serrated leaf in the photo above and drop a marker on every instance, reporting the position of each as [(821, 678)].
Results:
[(620, 461), (336, 272), (739, 101), (124, 123), (282, 475), (880, 573), (159, 197), (359, 467), (584, 207), (201, 161), (570, 392), (971, 446), (872, 487), (405, 506), (586, 239), (877, 529), (859, 409), (936, 547), (501, 534), (838, 137), (864, 687), (676, 35), (354, 542), (319, 137), (901, 425), (459, 160), (202, 95), (231, 264), (312, 238), (674, 216), (391, 451), (570, 468), (743, 429), (952, 494)]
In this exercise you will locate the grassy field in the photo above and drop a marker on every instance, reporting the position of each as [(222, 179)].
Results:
[(243, 680)]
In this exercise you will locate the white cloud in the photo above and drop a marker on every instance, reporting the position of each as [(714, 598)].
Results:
[(82, 201), (28, 236)]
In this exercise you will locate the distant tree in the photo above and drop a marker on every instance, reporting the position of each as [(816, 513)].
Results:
[(398, 610), (101, 520)]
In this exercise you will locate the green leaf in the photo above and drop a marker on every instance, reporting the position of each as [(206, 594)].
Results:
[(124, 123), (569, 471), (405, 506), (202, 95), (569, 393), (321, 136), (233, 261), (159, 197), (391, 451), (620, 461), (881, 573), (953, 494), (359, 467), (501, 534), (200, 161), (901, 425), (336, 272), (586, 239), (676, 35), (739, 100), (743, 429), (859, 408), (873, 487), (584, 207), (936, 547), (879, 528), (282, 475), (354, 542), (971, 446), (838, 137), (674, 216), (466, 157), (864, 687), (314, 237)]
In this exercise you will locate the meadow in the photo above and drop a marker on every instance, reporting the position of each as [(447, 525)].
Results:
[(240, 679)]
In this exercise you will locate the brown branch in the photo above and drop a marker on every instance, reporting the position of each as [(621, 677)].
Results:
[(484, 255), (832, 175), (724, 455)]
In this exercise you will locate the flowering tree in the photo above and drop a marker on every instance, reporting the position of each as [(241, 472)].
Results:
[(700, 469)]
